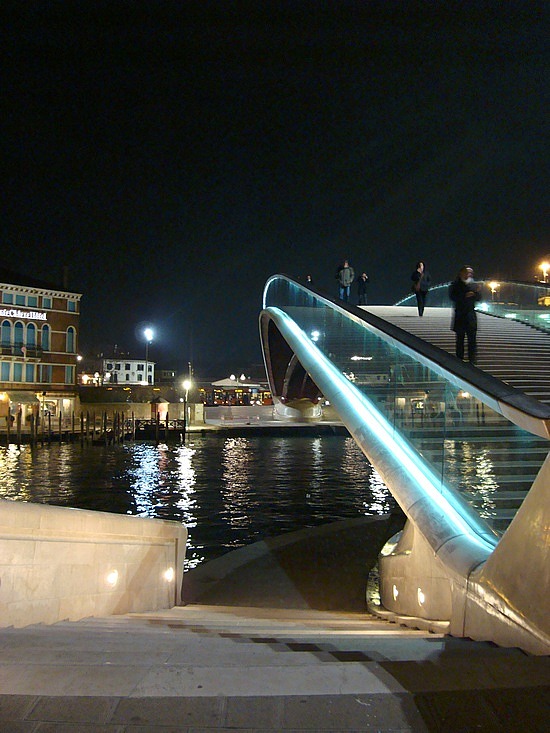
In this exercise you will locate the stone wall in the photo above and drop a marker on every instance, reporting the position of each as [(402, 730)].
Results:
[(58, 563)]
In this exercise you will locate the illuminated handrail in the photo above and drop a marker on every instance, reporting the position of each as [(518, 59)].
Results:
[(514, 405)]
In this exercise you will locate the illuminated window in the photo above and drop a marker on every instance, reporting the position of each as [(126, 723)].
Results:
[(71, 334), (46, 338)]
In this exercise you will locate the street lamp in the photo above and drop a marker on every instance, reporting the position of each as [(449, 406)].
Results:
[(494, 287), (186, 386), (545, 267), (149, 335)]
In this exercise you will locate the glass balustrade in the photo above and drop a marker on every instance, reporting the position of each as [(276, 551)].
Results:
[(474, 450), (521, 301)]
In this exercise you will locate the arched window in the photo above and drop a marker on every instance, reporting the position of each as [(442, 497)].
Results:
[(6, 333), (71, 338), (18, 334), (31, 335), (45, 338)]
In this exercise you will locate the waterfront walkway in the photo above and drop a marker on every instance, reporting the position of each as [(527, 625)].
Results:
[(301, 657)]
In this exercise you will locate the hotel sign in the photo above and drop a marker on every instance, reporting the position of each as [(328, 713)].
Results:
[(29, 315)]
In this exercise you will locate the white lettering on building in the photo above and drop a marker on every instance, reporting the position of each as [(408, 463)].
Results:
[(15, 313)]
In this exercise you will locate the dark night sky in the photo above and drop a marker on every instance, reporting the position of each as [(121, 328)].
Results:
[(176, 154)]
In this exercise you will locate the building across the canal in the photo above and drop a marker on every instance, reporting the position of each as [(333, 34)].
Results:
[(39, 326)]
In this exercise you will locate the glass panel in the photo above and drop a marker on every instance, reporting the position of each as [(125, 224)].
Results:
[(29, 373), (473, 449), (520, 301), (5, 371), (6, 333), (7, 298), (32, 301), (18, 334), (31, 334), (18, 372), (70, 340)]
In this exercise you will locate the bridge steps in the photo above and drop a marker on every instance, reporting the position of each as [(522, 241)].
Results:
[(513, 352)]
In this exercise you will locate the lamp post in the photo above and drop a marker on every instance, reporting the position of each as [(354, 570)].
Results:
[(186, 386), (545, 267), (494, 287), (149, 334)]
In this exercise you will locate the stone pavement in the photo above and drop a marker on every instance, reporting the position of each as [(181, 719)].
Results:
[(290, 661)]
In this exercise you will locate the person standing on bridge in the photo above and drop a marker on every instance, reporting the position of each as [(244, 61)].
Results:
[(465, 297), (362, 282), (345, 275), (421, 284)]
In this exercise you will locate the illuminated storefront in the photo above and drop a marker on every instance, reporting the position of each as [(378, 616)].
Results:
[(233, 391)]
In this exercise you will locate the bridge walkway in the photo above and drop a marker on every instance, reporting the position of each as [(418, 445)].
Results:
[(514, 352)]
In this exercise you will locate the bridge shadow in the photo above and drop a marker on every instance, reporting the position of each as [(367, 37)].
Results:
[(323, 568)]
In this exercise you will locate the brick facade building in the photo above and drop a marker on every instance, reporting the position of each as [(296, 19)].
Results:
[(39, 328)]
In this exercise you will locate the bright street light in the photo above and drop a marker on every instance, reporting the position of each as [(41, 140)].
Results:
[(545, 267)]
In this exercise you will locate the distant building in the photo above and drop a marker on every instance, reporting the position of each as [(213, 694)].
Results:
[(119, 369), (39, 326), (166, 376)]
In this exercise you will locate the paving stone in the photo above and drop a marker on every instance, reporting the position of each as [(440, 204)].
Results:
[(170, 711), (254, 712), (20, 726), (16, 707), (78, 728), (77, 709), (351, 712), (489, 711)]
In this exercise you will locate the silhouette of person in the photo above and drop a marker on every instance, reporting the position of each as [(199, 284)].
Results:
[(421, 285), (362, 282), (345, 276), (465, 296)]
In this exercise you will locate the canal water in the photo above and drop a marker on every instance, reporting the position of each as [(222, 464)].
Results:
[(228, 491)]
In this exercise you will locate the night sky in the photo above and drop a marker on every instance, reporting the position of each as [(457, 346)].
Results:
[(174, 155)]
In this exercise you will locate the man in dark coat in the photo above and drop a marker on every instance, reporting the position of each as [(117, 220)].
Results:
[(362, 281), (465, 296)]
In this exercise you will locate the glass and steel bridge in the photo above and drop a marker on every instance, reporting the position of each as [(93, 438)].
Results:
[(459, 448)]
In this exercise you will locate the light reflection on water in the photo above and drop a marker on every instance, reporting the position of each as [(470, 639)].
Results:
[(227, 491)]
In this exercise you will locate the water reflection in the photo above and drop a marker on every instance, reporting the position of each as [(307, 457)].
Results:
[(227, 491)]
